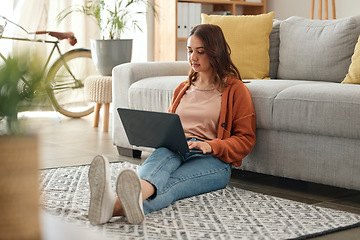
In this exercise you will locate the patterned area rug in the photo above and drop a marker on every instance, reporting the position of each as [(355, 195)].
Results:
[(230, 213)]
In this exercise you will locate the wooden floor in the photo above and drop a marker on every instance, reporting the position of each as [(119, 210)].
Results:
[(68, 142)]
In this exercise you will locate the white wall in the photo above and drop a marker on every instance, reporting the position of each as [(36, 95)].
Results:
[(287, 8), (140, 38)]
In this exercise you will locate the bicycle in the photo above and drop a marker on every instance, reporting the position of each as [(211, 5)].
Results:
[(64, 79)]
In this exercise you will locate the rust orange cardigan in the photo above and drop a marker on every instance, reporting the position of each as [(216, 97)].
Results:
[(236, 129)]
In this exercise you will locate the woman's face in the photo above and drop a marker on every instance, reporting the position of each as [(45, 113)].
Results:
[(197, 57)]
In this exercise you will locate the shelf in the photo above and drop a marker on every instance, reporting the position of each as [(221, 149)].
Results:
[(228, 2), (166, 42)]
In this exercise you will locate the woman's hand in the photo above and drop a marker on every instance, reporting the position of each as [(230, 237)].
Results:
[(203, 146)]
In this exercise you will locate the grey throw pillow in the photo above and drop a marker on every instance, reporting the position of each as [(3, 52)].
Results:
[(274, 42), (317, 49)]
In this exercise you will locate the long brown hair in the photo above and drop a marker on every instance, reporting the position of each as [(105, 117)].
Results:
[(218, 51)]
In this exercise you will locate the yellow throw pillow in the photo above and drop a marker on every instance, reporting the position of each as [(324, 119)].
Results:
[(353, 75), (248, 38)]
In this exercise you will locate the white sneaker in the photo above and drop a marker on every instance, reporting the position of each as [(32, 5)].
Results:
[(102, 196), (128, 188)]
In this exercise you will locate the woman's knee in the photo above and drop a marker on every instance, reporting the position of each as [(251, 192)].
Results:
[(162, 151), (159, 157)]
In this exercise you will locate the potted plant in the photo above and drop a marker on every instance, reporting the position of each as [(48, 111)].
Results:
[(15, 94), (113, 20), (19, 188)]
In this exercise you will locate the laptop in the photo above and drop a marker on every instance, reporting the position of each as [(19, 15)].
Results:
[(154, 130)]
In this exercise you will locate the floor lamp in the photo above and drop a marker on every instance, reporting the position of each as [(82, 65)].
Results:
[(320, 9)]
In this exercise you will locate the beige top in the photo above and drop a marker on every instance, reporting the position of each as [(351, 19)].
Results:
[(199, 111)]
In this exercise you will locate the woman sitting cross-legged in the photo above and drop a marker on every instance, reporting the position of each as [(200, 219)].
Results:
[(218, 118)]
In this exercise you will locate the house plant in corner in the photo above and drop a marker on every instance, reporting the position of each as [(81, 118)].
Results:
[(19, 179), (113, 17)]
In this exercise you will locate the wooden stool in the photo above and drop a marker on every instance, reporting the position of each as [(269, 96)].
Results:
[(99, 89)]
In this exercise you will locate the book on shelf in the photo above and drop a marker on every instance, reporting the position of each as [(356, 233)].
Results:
[(188, 16), (221, 13)]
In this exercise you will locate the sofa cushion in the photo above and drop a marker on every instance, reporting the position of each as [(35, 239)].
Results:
[(263, 93), (248, 38), (317, 49), (153, 94), (353, 75), (329, 109)]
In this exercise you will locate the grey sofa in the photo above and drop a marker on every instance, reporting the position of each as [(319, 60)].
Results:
[(308, 122)]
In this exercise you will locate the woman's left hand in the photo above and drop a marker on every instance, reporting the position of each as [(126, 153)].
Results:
[(203, 146)]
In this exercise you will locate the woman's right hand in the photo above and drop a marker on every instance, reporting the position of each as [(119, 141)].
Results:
[(203, 146)]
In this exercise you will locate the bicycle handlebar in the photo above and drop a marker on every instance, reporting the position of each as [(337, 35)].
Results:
[(7, 20)]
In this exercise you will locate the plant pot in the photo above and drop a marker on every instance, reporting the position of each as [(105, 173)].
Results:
[(19, 187), (107, 54)]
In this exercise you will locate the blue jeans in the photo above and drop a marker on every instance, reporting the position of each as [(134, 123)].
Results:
[(175, 176)]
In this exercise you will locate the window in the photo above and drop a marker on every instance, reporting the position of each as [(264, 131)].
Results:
[(6, 10)]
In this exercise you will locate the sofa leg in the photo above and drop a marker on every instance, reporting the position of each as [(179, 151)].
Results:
[(129, 152)]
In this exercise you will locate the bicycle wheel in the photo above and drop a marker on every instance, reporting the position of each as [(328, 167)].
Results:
[(66, 83)]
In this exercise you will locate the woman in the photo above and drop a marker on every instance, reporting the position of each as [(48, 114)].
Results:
[(218, 118)]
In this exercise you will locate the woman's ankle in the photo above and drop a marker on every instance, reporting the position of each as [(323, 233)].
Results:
[(118, 210)]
